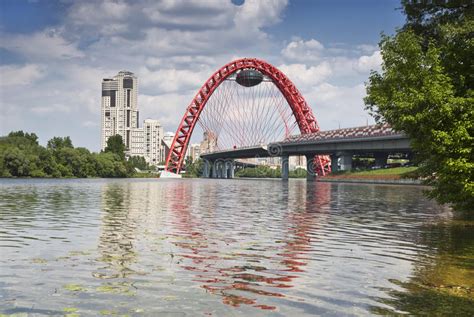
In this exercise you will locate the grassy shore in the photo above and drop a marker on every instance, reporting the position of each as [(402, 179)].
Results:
[(378, 174)]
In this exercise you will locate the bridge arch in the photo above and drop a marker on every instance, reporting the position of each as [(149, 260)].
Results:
[(302, 112)]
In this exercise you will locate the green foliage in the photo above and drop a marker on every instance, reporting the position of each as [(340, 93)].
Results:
[(32, 137), (426, 90), (259, 172), (193, 169), (22, 156), (395, 171), (139, 162), (16, 162), (268, 172), (298, 173), (58, 143), (115, 145)]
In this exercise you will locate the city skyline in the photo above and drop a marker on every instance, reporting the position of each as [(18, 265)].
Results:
[(61, 57)]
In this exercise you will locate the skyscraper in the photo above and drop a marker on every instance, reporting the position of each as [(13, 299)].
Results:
[(120, 116), (119, 110)]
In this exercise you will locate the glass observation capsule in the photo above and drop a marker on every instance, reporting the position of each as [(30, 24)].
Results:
[(249, 77)]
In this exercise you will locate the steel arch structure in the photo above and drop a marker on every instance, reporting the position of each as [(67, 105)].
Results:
[(302, 112)]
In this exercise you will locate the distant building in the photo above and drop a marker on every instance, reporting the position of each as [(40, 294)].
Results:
[(119, 115), (193, 152), (147, 142), (209, 143), (168, 138), (298, 161), (119, 110)]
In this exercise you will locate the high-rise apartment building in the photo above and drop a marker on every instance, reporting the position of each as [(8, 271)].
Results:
[(209, 143), (193, 152), (119, 110), (120, 116), (147, 141)]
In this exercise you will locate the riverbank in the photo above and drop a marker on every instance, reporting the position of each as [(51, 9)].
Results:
[(397, 175), (372, 181)]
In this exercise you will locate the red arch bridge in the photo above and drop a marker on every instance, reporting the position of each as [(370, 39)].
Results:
[(249, 108)]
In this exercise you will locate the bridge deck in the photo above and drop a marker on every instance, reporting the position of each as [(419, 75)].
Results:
[(374, 138)]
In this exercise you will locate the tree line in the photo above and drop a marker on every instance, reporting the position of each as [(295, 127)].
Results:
[(22, 156)]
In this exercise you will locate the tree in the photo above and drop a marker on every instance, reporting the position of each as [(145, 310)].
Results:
[(194, 169), (59, 142), (139, 162), (22, 156), (20, 134), (426, 90), (16, 162), (115, 145)]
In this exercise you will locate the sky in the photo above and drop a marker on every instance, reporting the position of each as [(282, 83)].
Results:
[(54, 54)]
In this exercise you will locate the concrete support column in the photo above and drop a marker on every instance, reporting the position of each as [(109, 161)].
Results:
[(285, 168), (346, 161), (219, 169), (381, 159), (206, 169), (230, 166), (223, 169), (334, 165), (310, 170), (214, 169)]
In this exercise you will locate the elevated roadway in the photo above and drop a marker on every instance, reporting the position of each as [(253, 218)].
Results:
[(341, 144)]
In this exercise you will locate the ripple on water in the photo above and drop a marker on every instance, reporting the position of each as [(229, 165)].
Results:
[(220, 247)]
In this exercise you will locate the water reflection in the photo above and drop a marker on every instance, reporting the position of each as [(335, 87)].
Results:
[(243, 270), (442, 284), (117, 233), (226, 247)]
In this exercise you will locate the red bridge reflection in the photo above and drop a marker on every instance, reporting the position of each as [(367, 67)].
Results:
[(247, 275)]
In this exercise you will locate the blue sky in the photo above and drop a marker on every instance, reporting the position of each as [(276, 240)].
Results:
[(53, 55)]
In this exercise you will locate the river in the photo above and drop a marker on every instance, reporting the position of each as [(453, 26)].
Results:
[(203, 247)]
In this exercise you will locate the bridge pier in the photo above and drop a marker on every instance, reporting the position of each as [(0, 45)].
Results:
[(310, 171), (206, 169), (334, 164), (223, 169), (346, 161), (380, 159), (214, 169), (229, 168), (219, 169), (285, 167)]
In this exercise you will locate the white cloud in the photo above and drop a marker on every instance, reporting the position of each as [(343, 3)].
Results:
[(58, 107), (167, 108), (90, 123), (170, 80), (185, 14), (47, 45), (256, 14), (367, 48), (338, 106), (303, 51), (12, 75), (305, 77), (367, 63)]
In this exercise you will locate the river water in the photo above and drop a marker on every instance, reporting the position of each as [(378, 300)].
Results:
[(229, 248)]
